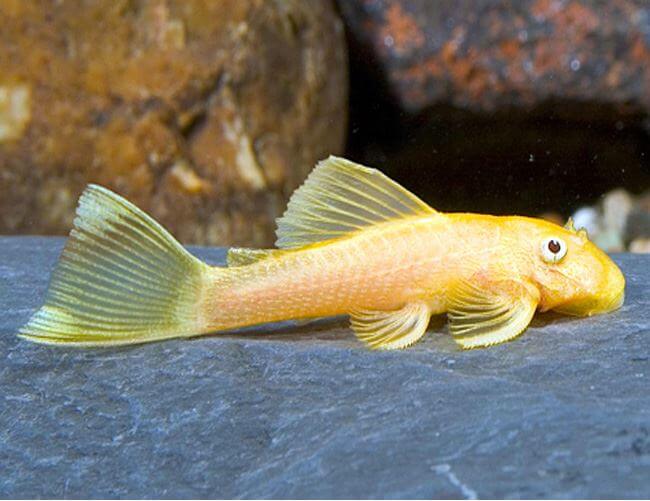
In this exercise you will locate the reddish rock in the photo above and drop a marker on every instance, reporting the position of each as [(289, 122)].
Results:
[(483, 55), (505, 107), (205, 113)]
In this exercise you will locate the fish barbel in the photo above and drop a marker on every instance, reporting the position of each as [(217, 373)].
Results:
[(351, 241)]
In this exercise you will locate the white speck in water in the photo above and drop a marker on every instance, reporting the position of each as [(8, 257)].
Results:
[(575, 64), (388, 41), (592, 388), (531, 158), (639, 374)]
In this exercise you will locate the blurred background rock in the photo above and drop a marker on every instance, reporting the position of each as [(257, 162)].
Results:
[(209, 113), (206, 113)]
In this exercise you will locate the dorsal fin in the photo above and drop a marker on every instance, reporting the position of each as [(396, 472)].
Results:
[(340, 197)]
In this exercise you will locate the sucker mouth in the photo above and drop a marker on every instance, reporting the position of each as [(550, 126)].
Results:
[(617, 302), (577, 309)]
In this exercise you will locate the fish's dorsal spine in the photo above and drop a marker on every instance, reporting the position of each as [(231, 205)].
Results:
[(341, 197)]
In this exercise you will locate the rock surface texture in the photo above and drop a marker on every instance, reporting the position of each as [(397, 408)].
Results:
[(207, 114), (301, 412), (487, 54)]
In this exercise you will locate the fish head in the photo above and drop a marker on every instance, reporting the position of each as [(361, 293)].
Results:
[(574, 276)]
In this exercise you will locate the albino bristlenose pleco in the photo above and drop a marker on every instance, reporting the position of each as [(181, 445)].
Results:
[(351, 241)]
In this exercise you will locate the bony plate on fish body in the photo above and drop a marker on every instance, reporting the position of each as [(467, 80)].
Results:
[(351, 241)]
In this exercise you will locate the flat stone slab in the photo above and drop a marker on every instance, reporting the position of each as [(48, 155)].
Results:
[(306, 411)]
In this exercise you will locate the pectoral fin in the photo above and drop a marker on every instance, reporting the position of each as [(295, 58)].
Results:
[(490, 314), (390, 330)]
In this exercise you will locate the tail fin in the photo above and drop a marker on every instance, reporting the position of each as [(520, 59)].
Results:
[(122, 279)]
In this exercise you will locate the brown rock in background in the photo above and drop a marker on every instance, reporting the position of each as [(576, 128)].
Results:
[(502, 106), (205, 113), (486, 54)]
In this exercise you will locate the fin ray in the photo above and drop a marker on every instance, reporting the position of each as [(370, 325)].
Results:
[(340, 197), (389, 330), (480, 317), (381, 204), (121, 279)]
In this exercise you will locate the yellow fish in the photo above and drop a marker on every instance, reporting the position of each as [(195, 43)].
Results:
[(351, 241)]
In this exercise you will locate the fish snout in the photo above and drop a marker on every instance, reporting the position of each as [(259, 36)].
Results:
[(609, 296), (617, 302), (612, 301), (613, 291)]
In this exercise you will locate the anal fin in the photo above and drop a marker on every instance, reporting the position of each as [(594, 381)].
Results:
[(390, 330)]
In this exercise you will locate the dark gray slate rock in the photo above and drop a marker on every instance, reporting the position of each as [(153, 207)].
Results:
[(308, 412)]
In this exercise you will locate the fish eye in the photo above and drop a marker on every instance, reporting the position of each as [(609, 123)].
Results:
[(553, 249)]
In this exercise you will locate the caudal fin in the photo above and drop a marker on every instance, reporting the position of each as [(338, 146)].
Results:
[(122, 279)]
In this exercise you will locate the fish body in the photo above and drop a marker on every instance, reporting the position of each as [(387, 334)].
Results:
[(380, 268), (351, 242)]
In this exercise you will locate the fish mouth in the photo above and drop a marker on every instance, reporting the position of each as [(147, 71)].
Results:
[(593, 306), (616, 302)]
